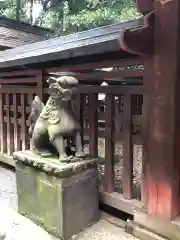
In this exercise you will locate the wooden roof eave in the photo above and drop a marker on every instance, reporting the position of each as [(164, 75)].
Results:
[(144, 6), (88, 43), (139, 41)]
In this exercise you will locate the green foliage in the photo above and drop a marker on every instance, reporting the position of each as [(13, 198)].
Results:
[(75, 6), (74, 15), (90, 19), (9, 9)]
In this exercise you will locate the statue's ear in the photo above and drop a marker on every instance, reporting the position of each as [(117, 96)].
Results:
[(51, 80)]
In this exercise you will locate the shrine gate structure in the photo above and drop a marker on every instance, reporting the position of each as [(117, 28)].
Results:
[(140, 62)]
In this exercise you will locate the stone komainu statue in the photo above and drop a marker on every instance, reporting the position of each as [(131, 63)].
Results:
[(54, 127)]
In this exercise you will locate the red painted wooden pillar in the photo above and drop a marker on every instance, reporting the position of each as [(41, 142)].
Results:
[(162, 133), (144, 6)]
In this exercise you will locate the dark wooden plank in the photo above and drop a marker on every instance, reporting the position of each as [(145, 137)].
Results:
[(94, 76), (39, 79), (78, 108), (148, 76), (109, 145), (127, 148), (109, 89), (3, 135), (117, 201), (30, 99), (23, 124), (10, 132), (93, 125), (76, 104), (17, 90), (19, 73), (17, 80), (17, 145), (103, 64)]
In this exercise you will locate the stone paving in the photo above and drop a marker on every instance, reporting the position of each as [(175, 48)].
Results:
[(13, 226), (8, 196)]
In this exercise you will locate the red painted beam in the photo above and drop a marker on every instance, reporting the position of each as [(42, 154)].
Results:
[(139, 41), (144, 6)]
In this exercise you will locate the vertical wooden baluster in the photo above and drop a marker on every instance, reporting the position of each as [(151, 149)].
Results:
[(79, 112), (10, 133), (3, 135), (148, 70), (17, 145), (40, 78), (128, 148), (81, 101), (30, 99), (93, 124), (23, 123), (109, 145)]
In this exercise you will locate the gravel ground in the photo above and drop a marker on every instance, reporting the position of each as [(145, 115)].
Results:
[(118, 166)]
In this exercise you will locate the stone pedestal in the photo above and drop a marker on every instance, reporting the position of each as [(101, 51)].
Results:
[(62, 198)]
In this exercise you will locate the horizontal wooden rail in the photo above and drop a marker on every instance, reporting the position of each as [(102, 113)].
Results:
[(116, 90), (103, 64), (18, 80), (19, 73), (111, 89), (18, 90), (94, 76), (117, 201)]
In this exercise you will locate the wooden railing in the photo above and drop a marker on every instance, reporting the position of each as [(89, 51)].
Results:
[(122, 128), (16, 93), (111, 127)]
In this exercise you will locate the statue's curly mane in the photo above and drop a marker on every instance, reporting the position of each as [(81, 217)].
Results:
[(51, 111)]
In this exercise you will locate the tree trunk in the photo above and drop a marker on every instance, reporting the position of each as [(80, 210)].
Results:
[(18, 6), (31, 11)]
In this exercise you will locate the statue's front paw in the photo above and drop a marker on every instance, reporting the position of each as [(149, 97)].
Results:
[(46, 154), (65, 158), (80, 154)]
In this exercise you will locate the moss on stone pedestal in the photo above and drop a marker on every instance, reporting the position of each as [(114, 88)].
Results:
[(61, 202)]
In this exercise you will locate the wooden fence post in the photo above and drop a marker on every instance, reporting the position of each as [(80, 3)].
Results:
[(163, 126), (109, 145)]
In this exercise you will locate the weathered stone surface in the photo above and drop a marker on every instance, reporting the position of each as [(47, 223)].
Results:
[(63, 203), (52, 165), (55, 128)]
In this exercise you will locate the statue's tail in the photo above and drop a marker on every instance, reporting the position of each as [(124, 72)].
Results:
[(36, 109)]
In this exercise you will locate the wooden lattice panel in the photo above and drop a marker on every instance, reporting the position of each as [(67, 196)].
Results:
[(14, 124)]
